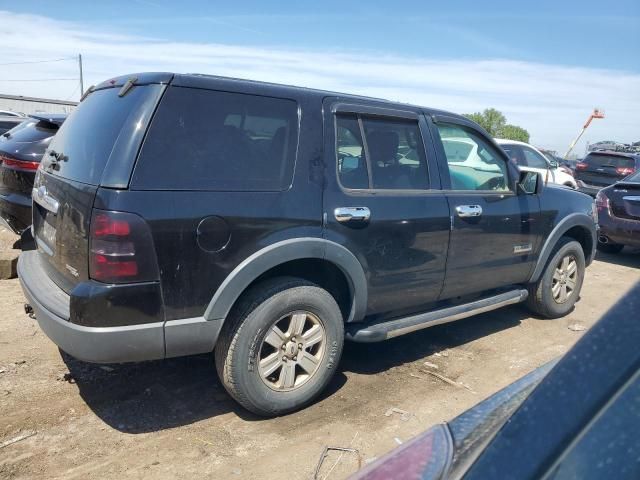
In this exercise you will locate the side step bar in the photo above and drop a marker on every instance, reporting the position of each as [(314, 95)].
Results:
[(376, 332)]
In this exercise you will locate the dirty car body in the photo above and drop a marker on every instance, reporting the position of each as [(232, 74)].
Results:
[(203, 200), (21, 150)]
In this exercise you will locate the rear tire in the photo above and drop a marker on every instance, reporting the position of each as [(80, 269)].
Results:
[(558, 288), (280, 346), (610, 247)]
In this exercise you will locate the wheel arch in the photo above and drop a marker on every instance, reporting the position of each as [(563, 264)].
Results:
[(306, 256), (578, 226)]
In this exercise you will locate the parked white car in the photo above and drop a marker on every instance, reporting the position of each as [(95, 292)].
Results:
[(529, 158)]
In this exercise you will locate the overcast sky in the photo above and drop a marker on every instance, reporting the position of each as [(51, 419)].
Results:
[(544, 71)]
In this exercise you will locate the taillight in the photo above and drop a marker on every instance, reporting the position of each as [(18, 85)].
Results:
[(16, 164), (426, 456), (120, 248), (625, 170), (581, 166), (602, 201)]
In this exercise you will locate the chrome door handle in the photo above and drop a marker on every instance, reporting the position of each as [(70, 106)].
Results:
[(347, 214), (466, 211)]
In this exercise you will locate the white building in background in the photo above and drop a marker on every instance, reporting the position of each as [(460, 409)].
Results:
[(29, 105)]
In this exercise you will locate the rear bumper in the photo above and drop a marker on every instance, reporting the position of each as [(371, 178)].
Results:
[(619, 230), (128, 343), (15, 211)]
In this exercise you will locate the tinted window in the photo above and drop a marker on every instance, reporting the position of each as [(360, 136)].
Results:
[(396, 154), (209, 140), (616, 161), (30, 131), (87, 137), (352, 165), (474, 164), (534, 159), (633, 178)]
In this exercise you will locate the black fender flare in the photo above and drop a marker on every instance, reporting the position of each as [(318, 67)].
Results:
[(570, 221), (284, 251)]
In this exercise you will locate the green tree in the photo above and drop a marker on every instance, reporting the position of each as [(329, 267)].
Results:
[(492, 120), (513, 132)]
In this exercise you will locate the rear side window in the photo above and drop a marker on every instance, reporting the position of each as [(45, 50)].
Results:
[(616, 161), (391, 156), (220, 141)]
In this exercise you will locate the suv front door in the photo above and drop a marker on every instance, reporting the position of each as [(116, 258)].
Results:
[(382, 202), (494, 232)]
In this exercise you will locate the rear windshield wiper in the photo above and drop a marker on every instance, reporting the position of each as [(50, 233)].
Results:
[(56, 158)]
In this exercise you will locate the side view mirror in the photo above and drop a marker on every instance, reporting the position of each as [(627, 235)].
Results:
[(553, 163), (530, 183)]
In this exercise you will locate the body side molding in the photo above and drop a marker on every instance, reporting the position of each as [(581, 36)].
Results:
[(285, 251)]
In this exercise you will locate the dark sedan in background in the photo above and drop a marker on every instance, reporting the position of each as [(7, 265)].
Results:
[(21, 150), (600, 169), (576, 419), (8, 120), (619, 215)]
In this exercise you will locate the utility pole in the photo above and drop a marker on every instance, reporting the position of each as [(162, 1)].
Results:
[(81, 79)]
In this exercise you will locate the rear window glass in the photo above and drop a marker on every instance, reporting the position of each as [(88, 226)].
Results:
[(87, 137), (29, 131), (597, 160), (211, 140)]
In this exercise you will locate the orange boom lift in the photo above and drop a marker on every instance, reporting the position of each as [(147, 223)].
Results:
[(596, 114)]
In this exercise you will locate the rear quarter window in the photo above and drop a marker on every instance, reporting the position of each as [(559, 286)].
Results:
[(219, 141)]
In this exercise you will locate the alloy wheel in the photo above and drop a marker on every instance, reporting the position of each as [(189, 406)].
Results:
[(292, 351), (565, 279)]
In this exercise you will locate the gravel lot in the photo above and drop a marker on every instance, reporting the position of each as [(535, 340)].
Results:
[(172, 419)]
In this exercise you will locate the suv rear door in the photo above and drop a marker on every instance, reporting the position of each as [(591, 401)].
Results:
[(101, 136), (495, 233), (382, 202)]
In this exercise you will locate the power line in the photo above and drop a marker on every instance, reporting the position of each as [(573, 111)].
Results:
[(37, 61), (38, 79), (75, 90)]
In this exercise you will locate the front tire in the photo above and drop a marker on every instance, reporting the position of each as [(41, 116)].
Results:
[(280, 346), (558, 288)]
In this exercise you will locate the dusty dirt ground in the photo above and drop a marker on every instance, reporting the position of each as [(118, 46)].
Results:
[(172, 419)]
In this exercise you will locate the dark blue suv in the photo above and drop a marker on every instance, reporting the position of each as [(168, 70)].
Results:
[(603, 168), (183, 214)]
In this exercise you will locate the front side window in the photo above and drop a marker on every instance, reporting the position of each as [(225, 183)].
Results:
[(219, 141), (474, 164), (534, 159), (382, 154)]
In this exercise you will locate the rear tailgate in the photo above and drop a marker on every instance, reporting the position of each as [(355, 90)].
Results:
[(625, 200), (96, 146)]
